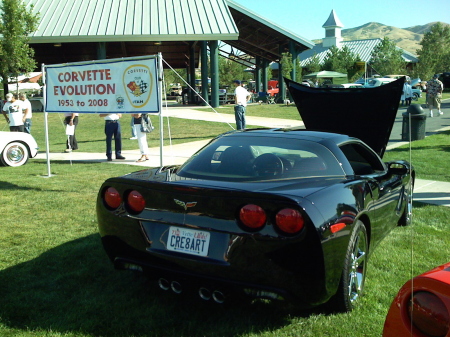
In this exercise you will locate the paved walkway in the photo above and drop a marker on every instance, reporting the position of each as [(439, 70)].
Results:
[(212, 116), (427, 191)]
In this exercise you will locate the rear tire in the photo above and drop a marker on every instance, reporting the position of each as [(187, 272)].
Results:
[(353, 275)]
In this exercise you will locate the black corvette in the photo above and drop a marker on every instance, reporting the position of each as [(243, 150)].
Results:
[(271, 213)]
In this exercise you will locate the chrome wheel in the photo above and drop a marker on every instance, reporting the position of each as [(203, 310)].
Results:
[(15, 154), (353, 275), (358, 260)]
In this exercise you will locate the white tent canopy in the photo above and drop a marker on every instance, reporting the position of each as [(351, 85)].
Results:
[(24, 87), (325, 74)]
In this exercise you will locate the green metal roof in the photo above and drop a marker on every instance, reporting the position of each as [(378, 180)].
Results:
[(269, 24), (362, 48), (132, 20)]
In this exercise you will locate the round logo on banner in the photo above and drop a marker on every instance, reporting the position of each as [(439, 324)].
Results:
[(138, 84)]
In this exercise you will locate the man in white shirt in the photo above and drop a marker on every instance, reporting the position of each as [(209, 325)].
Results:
[(14, 109), (27, 112), (241, 97)]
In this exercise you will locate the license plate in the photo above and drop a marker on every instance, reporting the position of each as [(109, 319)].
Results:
[(188, 241)]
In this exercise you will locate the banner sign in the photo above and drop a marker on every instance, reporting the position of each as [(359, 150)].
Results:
[(128, 85)]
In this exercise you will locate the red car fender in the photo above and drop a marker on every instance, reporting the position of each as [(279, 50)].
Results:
[(435, 281)]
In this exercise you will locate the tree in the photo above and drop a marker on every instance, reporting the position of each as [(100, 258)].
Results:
[(171, 77), (434, 54), (313, 65), (387, 58), (286, 64), (16, 23), (298, 72), (230, 70), (341, 60)]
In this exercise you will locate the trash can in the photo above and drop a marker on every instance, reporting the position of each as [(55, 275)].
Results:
[(418, 118)]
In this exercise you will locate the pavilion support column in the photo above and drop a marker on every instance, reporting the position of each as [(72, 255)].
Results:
[(264, 79), (204, 70), (281, 86), (257, 74), (101, 50), (214, 57), (294, 52), (192, 95)]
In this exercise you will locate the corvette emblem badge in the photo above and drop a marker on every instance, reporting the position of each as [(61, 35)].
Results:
[(185, 205)]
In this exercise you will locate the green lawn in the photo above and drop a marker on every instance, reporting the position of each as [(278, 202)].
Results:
[(430, 156), (56, 281), (91, 137)]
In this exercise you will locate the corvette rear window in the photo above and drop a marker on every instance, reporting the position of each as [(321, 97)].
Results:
[(261, 158)]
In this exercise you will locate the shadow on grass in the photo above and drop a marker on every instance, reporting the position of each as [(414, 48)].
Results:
[(74, 288), (4, 185)]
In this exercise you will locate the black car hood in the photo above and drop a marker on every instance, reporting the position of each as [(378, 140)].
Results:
[(364, 113)]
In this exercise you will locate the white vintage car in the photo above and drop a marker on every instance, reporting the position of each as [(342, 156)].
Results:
[(16, 148), (376, 82)]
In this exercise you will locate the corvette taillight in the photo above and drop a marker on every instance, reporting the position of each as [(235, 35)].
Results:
[(135, 202), (112, 198), (252, 216), (429, 314), (289, 221)]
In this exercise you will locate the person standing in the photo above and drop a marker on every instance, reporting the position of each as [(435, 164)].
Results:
[(407, 91), (141, 137), (71, 143), (241, 97), (14, 108), (434, 94), (112, 129), (185, 95), (27, 112)]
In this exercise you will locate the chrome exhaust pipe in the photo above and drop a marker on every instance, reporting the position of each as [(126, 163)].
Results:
[(218, 296), (204, 293), (176, 287), (163, 284)]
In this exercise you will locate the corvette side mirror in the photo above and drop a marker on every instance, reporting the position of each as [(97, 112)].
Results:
[(397, 168)]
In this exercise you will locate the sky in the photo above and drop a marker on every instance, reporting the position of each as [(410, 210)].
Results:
[(306, 17)]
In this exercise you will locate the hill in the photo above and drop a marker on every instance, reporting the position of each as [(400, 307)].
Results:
[(406, 38)]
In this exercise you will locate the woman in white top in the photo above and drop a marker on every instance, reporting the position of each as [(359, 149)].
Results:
[(141, 137)]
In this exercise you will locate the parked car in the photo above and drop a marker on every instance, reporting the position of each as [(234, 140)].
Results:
[(376, 82), (175, 90), (308, 83), (351, 85), (422, 306), (16, 148), (417, 83), (365, 80), (445, 79), (396, 77), (417, 93), (282, 214)]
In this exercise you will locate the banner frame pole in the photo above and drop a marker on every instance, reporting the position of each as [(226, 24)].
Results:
[(161, 129), (47, 143)]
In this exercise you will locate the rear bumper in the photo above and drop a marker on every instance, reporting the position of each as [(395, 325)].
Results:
[(237, 278)]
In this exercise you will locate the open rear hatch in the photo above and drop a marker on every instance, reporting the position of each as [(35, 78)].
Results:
[(365, 113)]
